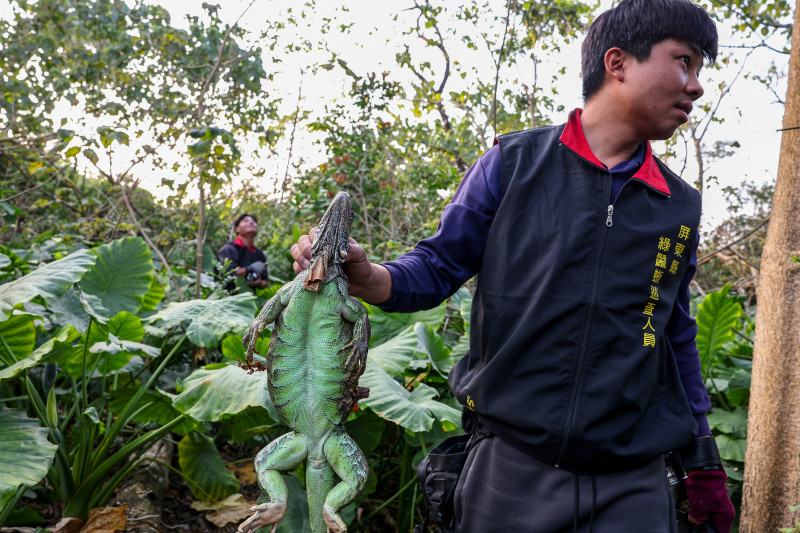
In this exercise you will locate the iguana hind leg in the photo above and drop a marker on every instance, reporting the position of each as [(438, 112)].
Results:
[(349, 464), (284, 453)]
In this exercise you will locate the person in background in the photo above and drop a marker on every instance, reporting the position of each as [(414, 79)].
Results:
[(241, 258), (583, 367)]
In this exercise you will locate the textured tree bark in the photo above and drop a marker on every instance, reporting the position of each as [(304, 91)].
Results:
[(772, 464)]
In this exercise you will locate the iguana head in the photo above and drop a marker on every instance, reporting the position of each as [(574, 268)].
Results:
[(330, 241)]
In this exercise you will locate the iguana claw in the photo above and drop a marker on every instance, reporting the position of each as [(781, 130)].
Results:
[(264, 515)]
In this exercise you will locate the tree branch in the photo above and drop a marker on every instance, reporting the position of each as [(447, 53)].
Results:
[(708, 256), (497, 69), (200, 104)]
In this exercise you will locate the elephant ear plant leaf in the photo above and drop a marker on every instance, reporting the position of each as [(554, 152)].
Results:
[(25, 454), (415, 410), (101, 289), (203, 468), (717, 315), (220, 390), (49, 281), (17, 336), (210, 320), (120, 279)]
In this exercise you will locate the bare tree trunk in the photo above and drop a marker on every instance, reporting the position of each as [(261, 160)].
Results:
[(772, 471), (200, 237)]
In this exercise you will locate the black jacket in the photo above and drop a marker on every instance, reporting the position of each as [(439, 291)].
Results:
[(568, 358), (233, 255)]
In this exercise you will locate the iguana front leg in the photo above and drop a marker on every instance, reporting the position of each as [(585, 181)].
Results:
[(269, 313), (354, 312), (356, 361)]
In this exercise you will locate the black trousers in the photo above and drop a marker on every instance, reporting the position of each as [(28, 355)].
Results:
[(503, 489)]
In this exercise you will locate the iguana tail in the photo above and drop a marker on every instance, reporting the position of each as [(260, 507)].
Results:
[(320, 479)]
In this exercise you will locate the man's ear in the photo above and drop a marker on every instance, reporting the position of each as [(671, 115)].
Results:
[(614, 60)]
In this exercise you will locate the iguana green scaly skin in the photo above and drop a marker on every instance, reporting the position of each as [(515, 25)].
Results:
[(316, 354)]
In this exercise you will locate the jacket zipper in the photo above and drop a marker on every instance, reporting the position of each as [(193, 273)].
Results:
[(585, 339)]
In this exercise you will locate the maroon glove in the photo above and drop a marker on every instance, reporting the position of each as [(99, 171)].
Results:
[(708, 499)]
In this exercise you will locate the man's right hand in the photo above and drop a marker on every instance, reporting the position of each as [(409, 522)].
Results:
[(369, 281)]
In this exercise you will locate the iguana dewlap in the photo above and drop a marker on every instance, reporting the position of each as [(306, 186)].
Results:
[(317, 352)]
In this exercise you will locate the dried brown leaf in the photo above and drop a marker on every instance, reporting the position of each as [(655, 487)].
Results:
[(106, 520), (68, 524), (244, 472), (232, 509)]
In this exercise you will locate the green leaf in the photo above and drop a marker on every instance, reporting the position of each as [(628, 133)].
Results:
[(154, 406), (50, 281), (153, 296), (72, 152), (116, 354), (112, 345), (246, 425), (91, 414), (394, 355), (386, 325), (730, 448), (414, 410), (26, 516), (466, 309), (204, 471), (733, 423), (17, 334), (209, 394), (211, 320), (200, 148), (296, 519), (120, 278), (366, 428), (126, 327), (67, 309), (25, 452), (432, 344), (60, 342), (91, 155), (233, 348), (716, 317)]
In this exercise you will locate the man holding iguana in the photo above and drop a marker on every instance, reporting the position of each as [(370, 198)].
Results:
[(583, 367)]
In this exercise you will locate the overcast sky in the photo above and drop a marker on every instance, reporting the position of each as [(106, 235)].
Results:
[(752, 116)]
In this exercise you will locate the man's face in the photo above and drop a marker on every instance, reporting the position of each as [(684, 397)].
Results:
[(247, 226), (661, 88)]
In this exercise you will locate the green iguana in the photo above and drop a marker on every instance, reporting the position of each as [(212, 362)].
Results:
[(316, 354)]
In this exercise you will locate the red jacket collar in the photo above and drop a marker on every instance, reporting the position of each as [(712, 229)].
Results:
[(574, 139), (238, 242)]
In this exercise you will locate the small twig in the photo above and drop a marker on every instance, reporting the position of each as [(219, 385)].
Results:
[(497, 69), (200, 107), (58, 171), (743, 237), (742, 335), (291, 138)]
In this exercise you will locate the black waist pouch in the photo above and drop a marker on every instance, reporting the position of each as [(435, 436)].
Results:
[(438, 475)]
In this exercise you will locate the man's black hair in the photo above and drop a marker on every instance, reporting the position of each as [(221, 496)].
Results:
[(242, 217), (635, 26)]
